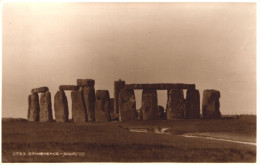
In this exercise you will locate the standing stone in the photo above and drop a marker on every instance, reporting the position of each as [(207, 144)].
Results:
[(192, 104), (149, 104), (127, 105), (118, 86), (175, 104), (79, 113), (210, 104), (45, 107), (61, 107), (34, 107), (102, 106), (90, 99)]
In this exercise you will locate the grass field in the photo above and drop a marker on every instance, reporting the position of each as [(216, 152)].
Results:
[(113, 142)]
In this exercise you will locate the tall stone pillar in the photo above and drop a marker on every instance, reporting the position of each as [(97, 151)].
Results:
[(175, 104), (210, 104), (102, 107), (192, 104), (127, 105), (149, 107), (118, 86), (45, 107), (89, 96), (61, 107), (34, 107), (79, 113)]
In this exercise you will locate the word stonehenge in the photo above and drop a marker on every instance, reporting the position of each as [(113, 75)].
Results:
[(88, 105)]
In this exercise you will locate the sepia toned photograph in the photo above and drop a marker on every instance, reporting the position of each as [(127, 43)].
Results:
[(129, 82)]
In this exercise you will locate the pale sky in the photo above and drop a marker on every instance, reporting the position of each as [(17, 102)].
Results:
[(210, 44)]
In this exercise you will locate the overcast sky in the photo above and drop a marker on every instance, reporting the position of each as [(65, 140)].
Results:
[(210, 44)]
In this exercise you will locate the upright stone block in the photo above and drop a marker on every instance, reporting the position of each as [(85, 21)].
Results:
[(79, 113), (34, 107), (149, 104), (192, 104), (45, 107), (61, 107), (210, 104), (127, 105), (102, 112), (175, 104), (118, 86), (90, 99)]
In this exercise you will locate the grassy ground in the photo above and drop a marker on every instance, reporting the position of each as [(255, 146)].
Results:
[(113, 142)]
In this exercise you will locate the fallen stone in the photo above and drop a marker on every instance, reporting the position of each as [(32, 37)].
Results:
[(210, 104), (34, 107), (40, 90), (118, 86), (68, 87), (79, 112), (61, 107), (175, 104), (192, 104), (90, 99), (102, 106), (85, 82), (149, 104), (127, 105), (45, 107)]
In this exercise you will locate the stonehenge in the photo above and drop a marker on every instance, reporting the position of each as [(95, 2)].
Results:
[(34, 107), (127, 105), (61, 107), (210, 104), (89, 96), (149, 106), (79, 112), (192, 109), (45, 107), (89, 104), (118, 86), (102, 106), (175, 104)]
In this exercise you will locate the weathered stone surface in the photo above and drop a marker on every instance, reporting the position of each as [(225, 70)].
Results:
[(79, 112), (118, 86), (68, 87), (61, 107), (40, 90), (85, 82), (149, 104), (45, 107), (127, 105), (111, 105), (162, 114), (90, 99), (210, 104), (192, 104), (160, 86), (102, 106), (34, 107), (175, 104)]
